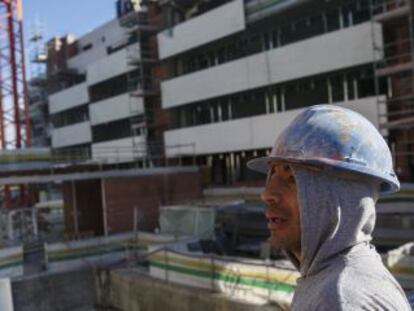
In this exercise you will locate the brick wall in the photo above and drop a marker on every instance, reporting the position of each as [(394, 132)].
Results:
[(124, 194), (146, 193)]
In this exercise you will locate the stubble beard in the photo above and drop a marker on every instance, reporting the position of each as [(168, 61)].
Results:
[(287, 243)]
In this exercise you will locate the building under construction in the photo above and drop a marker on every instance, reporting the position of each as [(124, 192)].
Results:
[(144, 87), (212, 83), (262, 61), (171, 97), (101, 91), (394, 65), (103, 110)]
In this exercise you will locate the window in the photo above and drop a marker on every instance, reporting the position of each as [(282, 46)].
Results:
[(114, 86), (350, 85), (332, 20), (355, 83), (366, 84), (87, 47), (70, 116), (111, 130), (337, 86), (76, 152), (276, 38), (361, 12)]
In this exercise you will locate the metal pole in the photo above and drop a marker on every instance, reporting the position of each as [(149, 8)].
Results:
[(104, 207), (75, 209), (46, 258), (269, 291), (34, 221), (28, 138), (10, 225), (136, 220), (213, 272), (2, 125), (13, 65), (166, 265)]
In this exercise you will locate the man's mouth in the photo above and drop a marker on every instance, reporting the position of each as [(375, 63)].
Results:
[(274, 222)]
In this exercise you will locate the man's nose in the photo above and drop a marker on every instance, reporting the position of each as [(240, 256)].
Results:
[(269, 196)]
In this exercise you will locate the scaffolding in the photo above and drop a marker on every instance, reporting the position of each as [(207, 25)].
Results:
[(394, 75), (141, 28), (38, 54)]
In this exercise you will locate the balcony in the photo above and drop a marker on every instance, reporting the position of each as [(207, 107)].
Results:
[(120, 150), (332, 51), (68, 98), (390, 10), (112, 65), (75, 134), (115, 108), (227, 19), (256, 132)]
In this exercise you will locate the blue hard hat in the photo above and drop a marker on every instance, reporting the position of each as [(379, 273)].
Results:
[(334, 139)]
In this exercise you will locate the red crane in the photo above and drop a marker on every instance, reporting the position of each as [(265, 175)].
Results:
[(14, 116)]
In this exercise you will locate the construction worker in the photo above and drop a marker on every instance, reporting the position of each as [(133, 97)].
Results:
[(325, 173)]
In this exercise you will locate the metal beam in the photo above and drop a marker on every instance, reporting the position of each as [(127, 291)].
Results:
[(39, 179)]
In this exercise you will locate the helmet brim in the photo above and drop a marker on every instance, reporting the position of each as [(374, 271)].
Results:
[(261, 165)]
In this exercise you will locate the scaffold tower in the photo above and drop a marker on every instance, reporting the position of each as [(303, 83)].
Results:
[(14, 119)]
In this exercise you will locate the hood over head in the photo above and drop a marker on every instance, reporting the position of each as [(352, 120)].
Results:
[(335, 213)]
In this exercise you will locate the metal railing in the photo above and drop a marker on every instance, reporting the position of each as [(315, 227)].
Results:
[(385, 6), (117, 155)]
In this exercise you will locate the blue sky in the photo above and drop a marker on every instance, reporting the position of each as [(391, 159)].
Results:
[(68, 16), (61, 17)]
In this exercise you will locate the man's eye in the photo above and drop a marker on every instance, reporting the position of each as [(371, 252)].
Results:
[(291, 179)]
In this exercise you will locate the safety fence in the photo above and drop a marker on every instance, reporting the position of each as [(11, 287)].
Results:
[(92, 252), (169, 259), (400, 262), (101, 251), (253, 281), (11, 261)]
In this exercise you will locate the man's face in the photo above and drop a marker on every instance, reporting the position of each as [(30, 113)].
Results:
[(282, 212)]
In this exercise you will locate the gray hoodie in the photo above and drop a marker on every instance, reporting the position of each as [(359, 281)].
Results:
[(340, 269)]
